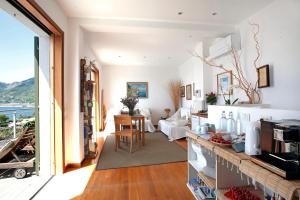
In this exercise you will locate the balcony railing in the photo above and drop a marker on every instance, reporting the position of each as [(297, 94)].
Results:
[(12, 113)]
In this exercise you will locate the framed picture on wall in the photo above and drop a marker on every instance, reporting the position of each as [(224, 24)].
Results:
[(263, 76), (194, 92), (188, 92), (139, 89), (182, 91), (224, 82)]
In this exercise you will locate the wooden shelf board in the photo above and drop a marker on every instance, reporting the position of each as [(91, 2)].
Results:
[(209, 182), (89, 81), (203, 142), (191, 135), (230, 155), (285, 188), (204, 115), (192, 191)]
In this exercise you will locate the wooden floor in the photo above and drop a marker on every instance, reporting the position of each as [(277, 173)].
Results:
[(165, 181)]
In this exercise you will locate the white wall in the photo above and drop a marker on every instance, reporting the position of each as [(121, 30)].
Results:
[(78, 48), (255, 113), (191, 72), (85, 51), (75, 47), (115, 79), (279, 35)]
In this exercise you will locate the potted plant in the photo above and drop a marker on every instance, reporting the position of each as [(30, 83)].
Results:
[(228, 101), (130, 103), (211, 98)]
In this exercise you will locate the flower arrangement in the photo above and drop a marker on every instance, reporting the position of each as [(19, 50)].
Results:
[(174, 89), (130, 103), (211, 98)]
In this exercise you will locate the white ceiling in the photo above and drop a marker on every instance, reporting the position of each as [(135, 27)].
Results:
[(123, 32), (156, 49), (229, 11)]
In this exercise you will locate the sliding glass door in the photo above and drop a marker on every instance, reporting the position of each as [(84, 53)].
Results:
[(25, 105)]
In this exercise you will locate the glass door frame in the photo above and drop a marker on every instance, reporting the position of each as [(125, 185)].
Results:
[(97, 119), (34, 12)]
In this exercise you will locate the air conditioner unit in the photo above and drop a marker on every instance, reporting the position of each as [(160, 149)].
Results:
[(222, 46)]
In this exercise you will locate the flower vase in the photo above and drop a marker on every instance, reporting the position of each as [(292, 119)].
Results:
[(131, 112)]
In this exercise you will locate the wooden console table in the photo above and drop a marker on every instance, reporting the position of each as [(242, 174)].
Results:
[(236, 169)]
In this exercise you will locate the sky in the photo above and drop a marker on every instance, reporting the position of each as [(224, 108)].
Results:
[(16, 49)]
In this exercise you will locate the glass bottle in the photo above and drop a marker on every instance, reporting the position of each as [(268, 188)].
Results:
[(238, 125), (223, 122), (231, 124)]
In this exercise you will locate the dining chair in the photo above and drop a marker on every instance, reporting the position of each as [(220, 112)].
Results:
[(125, 128)]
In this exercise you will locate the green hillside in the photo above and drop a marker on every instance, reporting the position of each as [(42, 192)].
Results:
[(17, 92)]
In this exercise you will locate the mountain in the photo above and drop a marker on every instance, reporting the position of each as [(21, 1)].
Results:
[(17, 92), (2, 85)]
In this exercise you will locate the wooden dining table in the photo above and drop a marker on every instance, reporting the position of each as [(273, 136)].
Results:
[(141, 124)]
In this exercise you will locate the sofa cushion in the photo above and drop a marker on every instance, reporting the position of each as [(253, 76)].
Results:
[(179, 122)]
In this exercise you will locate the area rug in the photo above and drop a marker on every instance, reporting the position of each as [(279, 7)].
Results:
[(157, 150)]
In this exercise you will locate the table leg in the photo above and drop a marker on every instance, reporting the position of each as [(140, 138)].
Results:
[(140, 129), (143, 131)]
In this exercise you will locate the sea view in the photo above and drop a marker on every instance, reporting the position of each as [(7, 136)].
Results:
[(21, 111)]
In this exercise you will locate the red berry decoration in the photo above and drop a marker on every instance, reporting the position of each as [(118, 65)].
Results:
[(238, 193)]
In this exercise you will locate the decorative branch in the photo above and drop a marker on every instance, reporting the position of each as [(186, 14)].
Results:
[(251, 90), (257, 47)]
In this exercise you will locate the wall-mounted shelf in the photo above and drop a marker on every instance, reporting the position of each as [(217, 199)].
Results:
[(87, 105)]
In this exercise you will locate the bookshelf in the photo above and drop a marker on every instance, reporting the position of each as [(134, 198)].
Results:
[(87, 107)]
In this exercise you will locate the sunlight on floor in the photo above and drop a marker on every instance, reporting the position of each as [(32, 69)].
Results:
[(71, 184), (68, 185), (12, 188)]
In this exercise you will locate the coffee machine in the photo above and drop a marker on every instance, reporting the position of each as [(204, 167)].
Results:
[(280, 147)]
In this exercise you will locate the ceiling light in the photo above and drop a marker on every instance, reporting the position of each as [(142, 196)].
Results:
[(214, 13), (180, 13)]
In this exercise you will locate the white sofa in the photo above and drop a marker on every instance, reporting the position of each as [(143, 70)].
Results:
[(110, 124), (175, 127), (148, 119)]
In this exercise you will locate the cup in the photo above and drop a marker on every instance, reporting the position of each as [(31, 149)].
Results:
[(204, 129)]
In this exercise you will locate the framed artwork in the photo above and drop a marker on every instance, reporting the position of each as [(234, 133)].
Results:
[(263, 76), (182, 91), (188, 92), (224, 81), (139, 89), (194, 92)]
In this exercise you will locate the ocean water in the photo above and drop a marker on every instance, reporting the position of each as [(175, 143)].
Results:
[(20, 112)]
